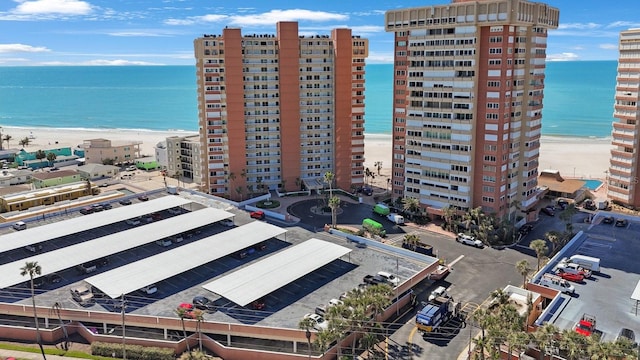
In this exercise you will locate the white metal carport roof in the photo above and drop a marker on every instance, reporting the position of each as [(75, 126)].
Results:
[(136, 275), (34, 235), (259, 279), (81, 253)]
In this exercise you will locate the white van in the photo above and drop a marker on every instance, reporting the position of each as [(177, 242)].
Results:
[(396, 218), (587, 262), (557, 283)]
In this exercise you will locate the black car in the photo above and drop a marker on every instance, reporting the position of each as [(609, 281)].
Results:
[(87, 210), (621, 222), (106, 206), (97, 207), (125, 202), (608, 220), (525, 229), (548, 210), (143, 198), (627, 334), (203, 303)]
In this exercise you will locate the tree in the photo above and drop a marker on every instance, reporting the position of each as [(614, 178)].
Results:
[(183, 313), (541, 249), (7, 138), (199, 316), (51, 158), (448, 213), (411, 205), (524, 269), (239, 190), (25, 142), (108, 161), (545, 338), (567, 216), (56, 309), (328, 178), (40, 154), (554, 238), (334, 204), (32, 269), (378, 165)]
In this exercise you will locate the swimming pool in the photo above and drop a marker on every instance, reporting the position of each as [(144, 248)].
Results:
[(592, 184)]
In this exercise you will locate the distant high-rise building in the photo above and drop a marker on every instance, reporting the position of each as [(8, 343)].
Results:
[(467, 107), (279, 110), (624, 171)]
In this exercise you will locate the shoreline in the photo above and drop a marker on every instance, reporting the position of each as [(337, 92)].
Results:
[(574, 157)]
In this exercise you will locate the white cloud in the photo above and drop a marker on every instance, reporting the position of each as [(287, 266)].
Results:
[(21, 48), (99, 62), (566, 56), (624, 24), (67, 7), (273, 16), (608, 46), (380, 58), (267, 18), (580, 26), (138, 34)]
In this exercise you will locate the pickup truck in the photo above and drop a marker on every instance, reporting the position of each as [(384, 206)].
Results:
[(374, 279)]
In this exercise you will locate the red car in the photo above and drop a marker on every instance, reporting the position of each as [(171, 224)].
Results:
[(571, 277), (257, 214)]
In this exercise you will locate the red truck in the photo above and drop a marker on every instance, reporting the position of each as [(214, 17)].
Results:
[(586, 325)]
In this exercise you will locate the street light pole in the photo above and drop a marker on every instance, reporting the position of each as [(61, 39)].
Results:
[(124, 346), (308, 335)]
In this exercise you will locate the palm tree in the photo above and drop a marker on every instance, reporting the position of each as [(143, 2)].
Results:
[(484, 320), (328, 178), (378, 165), (334, 204), (32, 269), (541, 249), (567, 216), (239, 190), (307, 324), (554, 238), (544, 338), (51, 157), (7, 138), (411, 205), (56, 309), (448, 213), (183, 313), (25, 142), (40, 154), (199, 316), (502, 297), (524, 269)]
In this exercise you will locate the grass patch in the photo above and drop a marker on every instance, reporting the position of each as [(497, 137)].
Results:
[(268, 204), (69, 353)]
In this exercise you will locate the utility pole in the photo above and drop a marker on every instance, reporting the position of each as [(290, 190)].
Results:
[(124, 344)]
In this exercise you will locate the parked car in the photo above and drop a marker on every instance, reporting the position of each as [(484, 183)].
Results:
[(34, 248), (390, 278), (134, 221), (469, 240), (131, 168), (258, 214), (608, 220), (571, 276), (203, 303), (438, 292), (548, 210), (226, 222), (97, 207), (589, 204), (106, 206), (143, 198), (317, 321), (20, 225), (627, 334), (367, 191), (82, 295), (258, 304), (622, 222), (87, 210), (149, 289), (175, 210), (525, 229), (125, 202)]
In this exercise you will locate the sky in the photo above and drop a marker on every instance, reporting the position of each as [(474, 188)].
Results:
[(161, 32)]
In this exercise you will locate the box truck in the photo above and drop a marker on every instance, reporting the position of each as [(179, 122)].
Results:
[(381, 209), (396, 218), (374, 227), (587, 262)]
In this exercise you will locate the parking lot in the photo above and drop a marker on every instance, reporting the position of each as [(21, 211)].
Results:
[(615, 246), (284, 307)]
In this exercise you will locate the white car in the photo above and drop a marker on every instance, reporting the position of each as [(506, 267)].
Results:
[(319, 323), (390, 278), (132, 168), (134, 221), (469, 240), (335, 302), (439, 291), (149, 290), (226, 222)]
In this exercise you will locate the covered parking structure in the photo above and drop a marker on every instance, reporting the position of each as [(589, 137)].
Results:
[(81, 253), (259, 279), (136, 275), (35, 235)]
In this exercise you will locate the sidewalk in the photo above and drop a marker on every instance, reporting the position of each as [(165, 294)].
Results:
[(31, 356)]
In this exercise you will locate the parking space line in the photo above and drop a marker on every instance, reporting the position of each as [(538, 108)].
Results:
[(456, 260)]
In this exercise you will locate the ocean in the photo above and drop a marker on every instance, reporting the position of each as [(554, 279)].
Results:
[(578, 98)]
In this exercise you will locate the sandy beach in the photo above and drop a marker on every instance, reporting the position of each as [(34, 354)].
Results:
[(574, 157)]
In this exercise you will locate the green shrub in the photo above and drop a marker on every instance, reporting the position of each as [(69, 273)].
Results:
[(268, 204), (134, 352)]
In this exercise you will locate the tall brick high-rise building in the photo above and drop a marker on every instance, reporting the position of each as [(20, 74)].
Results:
[(467, 107), (279, 110)]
